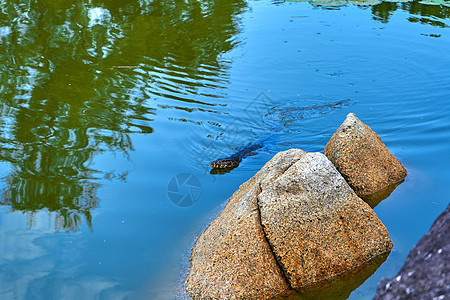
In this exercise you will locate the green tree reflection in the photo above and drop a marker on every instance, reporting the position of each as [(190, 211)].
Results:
[(419, 12), (76, 81)]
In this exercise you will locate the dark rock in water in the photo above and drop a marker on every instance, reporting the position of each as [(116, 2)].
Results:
[(363, 160), (426, 272)]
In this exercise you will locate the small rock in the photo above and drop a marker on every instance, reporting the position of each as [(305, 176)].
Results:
[(363, 160)]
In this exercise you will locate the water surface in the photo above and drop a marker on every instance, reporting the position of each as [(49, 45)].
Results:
[(103, 103)]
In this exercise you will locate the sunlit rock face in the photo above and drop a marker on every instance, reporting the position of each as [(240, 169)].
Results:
[(426, 272), (316, 225), (296, 222), (362, 158), (232, 259)]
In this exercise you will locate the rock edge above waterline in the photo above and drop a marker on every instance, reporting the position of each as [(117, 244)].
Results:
[(362, 158)]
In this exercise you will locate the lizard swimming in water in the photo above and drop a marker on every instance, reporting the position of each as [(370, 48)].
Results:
[(235, 159)]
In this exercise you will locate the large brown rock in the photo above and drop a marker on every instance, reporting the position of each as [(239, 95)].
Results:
[(362, 158), (232, 259), (316, 225), (295, 222)]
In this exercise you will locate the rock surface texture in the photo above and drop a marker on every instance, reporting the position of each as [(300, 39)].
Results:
[(316, 225), (426, 272), (294, 223), (361, 157), (232, 259)]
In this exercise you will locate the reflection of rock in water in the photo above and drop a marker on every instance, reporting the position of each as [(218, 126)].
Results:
[(375, 198), (341, 285)]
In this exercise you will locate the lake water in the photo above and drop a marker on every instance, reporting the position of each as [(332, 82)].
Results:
[(104, 104)]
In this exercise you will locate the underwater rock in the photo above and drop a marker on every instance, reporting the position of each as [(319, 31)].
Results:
[(426, 272), (362, 158), (295, 222)]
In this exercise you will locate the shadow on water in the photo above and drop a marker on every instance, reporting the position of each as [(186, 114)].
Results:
[(222, 171), (376, 198), (79, 78)]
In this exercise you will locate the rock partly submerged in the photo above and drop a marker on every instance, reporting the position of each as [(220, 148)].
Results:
[(363, 160), (295, 223), (426, 272)]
